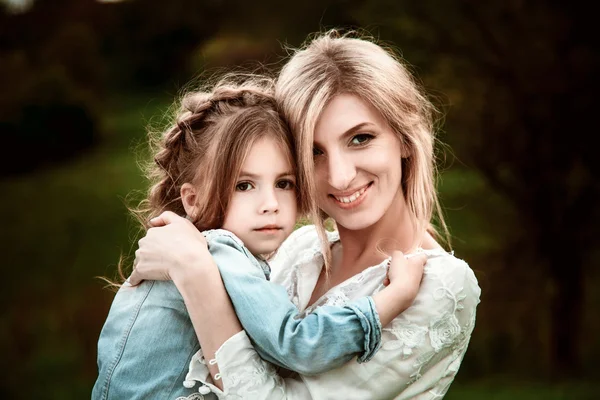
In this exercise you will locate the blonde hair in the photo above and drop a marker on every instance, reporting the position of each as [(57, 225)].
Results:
[(206, 144), (332, 64)]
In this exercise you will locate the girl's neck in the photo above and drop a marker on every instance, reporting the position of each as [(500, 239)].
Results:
[(363, 248)]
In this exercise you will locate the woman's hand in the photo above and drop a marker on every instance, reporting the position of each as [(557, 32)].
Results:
[(171, 247)]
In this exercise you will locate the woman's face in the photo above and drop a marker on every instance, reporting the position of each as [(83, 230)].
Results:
[(357, 163)]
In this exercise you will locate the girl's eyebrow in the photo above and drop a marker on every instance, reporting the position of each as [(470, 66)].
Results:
[(352, 130), (288, 173), (250, 175)]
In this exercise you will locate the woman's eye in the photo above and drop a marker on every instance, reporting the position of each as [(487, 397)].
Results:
[(361, 139), (285, 185), (316, 152), (243, 186)]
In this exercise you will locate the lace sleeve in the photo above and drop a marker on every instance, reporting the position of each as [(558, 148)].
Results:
[(449, 336), (245, 375)]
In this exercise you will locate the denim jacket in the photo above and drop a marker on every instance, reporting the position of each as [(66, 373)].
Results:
[(148, 339)]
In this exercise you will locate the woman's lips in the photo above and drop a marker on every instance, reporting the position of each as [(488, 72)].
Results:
[(353, 199)]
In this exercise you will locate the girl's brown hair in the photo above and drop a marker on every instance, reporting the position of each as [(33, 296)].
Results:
[(206, 144)]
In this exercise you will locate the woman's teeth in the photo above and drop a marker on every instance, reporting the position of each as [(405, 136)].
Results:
[(352, 197)]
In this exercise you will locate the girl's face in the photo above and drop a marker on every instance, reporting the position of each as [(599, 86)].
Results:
[(357, 163), (262, 210)]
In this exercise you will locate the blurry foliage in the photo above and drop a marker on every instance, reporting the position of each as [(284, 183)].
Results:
[(51, 93), (516, 82), (228, 50), (512, 79), (64, 226)]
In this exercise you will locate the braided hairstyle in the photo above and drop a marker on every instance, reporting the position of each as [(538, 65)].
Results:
[(206, 145)]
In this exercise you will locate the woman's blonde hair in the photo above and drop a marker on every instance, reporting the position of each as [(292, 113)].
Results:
[(332, 64)]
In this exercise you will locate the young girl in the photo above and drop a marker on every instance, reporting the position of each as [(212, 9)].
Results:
[(228, 165)]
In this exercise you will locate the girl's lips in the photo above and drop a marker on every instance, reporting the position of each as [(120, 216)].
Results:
[(269, 229)]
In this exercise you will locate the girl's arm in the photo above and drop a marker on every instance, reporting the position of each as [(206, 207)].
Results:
[(323, 340), (320, 341), (421, 350)]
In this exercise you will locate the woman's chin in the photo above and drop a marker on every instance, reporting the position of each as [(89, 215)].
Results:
[(356, 222)]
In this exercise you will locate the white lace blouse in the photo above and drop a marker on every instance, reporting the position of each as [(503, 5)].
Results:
[(421, 349)]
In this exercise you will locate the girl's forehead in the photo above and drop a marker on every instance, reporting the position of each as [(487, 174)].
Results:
[(285, 147), (269, 153)]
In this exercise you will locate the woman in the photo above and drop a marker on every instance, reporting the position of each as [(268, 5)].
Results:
[(364, 138), (230, 142)]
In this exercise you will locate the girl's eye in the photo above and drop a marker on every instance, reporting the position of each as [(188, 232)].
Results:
[(316, 152), (243, 186), (285, 185), (361, 138)]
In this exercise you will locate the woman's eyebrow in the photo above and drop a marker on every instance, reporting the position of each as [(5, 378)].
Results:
[(354, 129), (351, 131)]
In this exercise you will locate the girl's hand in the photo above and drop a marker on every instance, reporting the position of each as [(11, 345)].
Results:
[(171, 247), (406, 273), (403, 281)]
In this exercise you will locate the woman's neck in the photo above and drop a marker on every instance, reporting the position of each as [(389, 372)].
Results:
[(363, 248)]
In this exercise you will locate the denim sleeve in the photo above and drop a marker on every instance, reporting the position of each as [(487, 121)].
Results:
[(324, 339), (145, 345)]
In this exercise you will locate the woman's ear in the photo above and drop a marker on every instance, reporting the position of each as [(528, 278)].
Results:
[(189, 199)]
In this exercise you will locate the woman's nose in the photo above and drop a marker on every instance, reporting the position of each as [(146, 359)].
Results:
[(341, 171)]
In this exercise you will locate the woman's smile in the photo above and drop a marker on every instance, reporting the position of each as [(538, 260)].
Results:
[(352, 200)]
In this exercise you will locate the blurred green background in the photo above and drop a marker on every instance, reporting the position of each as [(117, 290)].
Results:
[(81, 80)]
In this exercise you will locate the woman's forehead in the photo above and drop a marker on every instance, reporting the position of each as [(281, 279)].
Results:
[(345, 115)]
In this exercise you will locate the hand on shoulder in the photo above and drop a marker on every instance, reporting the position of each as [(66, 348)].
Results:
[(171, 246)]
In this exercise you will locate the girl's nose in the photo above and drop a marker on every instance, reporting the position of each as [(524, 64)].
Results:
[(269, 203)]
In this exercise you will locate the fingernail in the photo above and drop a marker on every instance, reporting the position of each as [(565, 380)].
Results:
[(127, 283)]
